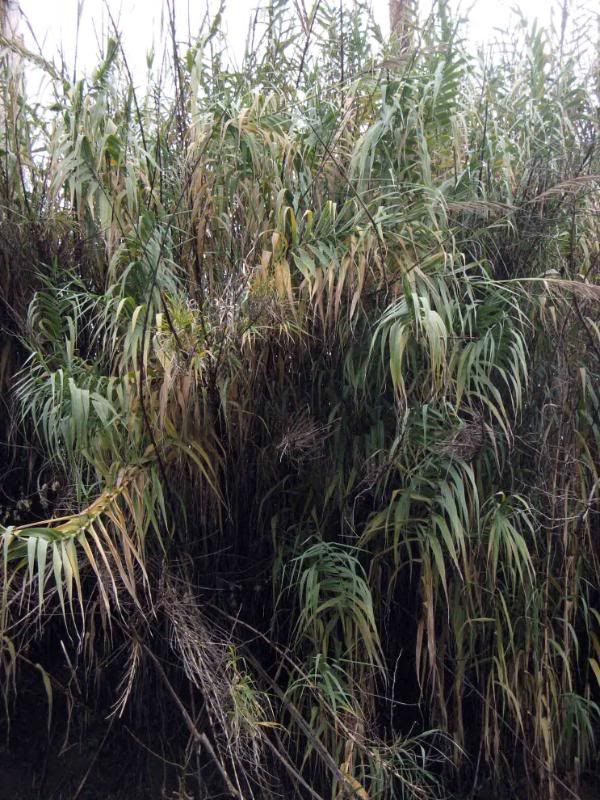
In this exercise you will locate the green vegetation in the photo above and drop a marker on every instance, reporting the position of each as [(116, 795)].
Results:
[(301, 407)]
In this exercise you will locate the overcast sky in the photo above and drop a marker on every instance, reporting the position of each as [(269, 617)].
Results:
[(55, 22)]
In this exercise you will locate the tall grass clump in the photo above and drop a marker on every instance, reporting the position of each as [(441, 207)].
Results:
[(300, 375)]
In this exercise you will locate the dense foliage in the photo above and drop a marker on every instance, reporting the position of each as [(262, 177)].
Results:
[(302, 424)]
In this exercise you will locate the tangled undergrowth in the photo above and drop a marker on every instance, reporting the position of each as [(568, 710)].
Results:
[(300, 376)]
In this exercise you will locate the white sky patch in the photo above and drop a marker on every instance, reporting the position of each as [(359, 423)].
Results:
[(142, 23)]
